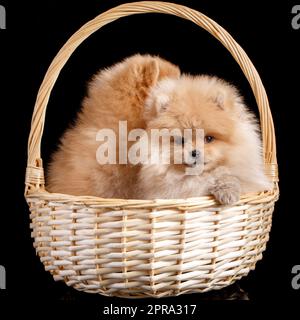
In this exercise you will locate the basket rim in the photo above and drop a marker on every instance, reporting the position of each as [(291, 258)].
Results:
[(197, 202), (35, 173)]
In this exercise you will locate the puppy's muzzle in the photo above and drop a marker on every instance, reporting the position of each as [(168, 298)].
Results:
[(195, 154), (194, 158)]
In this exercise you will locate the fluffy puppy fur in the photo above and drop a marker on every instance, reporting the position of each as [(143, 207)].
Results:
[(115, 94), (232, 148), (149, 93)]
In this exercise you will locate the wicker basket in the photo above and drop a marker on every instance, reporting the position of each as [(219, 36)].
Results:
[(137, 248)]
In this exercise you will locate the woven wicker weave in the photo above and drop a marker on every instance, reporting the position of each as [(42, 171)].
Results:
[(137, 248)]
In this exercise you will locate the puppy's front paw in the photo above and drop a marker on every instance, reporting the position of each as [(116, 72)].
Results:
[(227, 196), (227, 190)]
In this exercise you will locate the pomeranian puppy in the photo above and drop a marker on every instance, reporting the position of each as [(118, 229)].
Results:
[(149, 93), (115, 94), (231, 153)]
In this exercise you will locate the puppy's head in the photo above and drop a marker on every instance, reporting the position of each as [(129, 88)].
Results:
[(205, 103)]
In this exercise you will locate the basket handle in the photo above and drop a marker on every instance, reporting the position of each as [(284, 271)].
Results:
[(35, 173)]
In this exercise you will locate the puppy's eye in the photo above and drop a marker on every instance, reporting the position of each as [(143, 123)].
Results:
[(209, 139), (179, 140)]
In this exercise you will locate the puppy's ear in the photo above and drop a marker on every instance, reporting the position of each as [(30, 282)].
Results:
[(228, 100), (161, 102), (219, 100), (147, 73), (151, 70), (167, 70), (160, 98)]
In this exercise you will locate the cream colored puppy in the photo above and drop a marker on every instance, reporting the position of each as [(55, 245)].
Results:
[(115, 94), (231, 156)]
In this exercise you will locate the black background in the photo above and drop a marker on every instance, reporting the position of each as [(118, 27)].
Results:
[(37, 30)]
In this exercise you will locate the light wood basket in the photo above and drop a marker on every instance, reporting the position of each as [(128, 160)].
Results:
[(139, 248)]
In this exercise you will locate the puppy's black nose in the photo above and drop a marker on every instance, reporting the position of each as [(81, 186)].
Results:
[(195, 154)]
